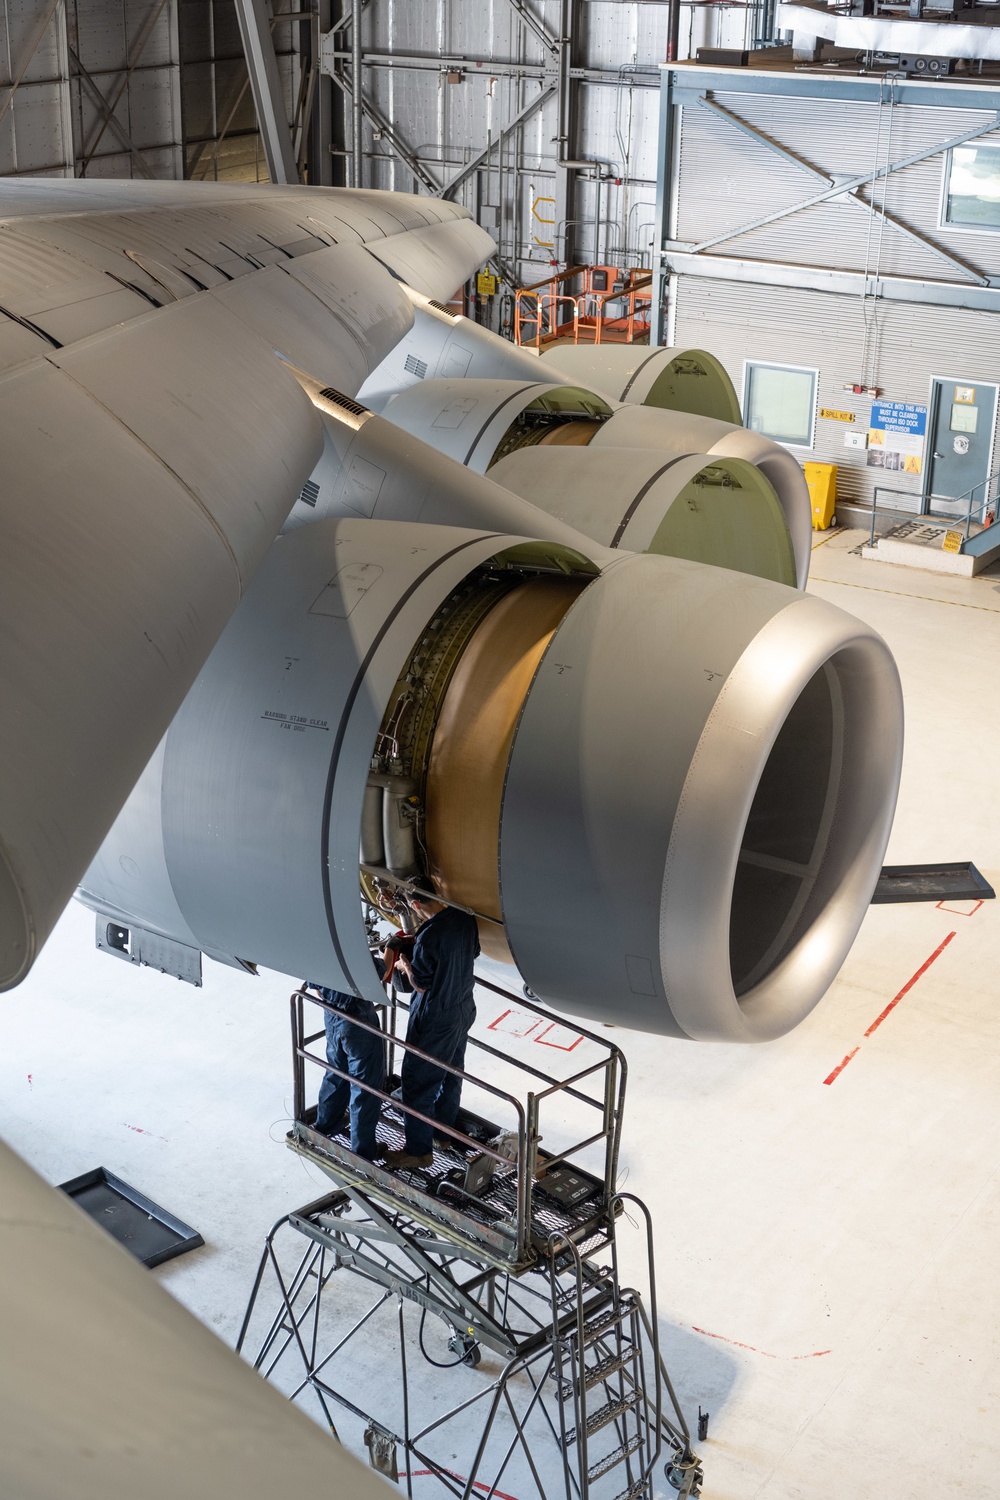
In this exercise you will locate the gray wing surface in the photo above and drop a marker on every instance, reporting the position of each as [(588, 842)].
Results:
[(109, 1387), (152, 443)]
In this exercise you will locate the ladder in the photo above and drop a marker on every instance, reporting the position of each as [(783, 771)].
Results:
[(611, 1377), (572, 1401)]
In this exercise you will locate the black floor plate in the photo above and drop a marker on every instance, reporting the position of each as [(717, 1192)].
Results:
[(148, 1231), (941, 882)]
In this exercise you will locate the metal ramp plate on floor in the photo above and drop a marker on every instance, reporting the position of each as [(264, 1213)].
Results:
[(958, 881)]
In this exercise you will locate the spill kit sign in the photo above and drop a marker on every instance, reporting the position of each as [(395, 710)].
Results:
[(896, 435)]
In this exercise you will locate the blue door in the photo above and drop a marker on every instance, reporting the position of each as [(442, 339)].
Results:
[(960, 447)]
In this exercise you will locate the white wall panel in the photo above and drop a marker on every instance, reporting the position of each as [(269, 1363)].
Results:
[(826, 331)]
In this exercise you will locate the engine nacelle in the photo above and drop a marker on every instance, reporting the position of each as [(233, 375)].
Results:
[(664, 789), (720, 511), (482, 422), (442, 344), (689, 380)]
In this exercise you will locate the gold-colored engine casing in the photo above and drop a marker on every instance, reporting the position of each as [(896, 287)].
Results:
[(471, 747)]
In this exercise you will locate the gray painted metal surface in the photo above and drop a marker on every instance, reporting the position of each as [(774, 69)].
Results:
[(172, 433), (442, 344), (265, 85), (189, 1417), (466, 419), (371, 467), (681, 379), (623, 497), (263, 865), (682, 432), (648, 729)]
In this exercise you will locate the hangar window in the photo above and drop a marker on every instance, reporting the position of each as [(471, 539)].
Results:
[(972, 187), (780, 402)]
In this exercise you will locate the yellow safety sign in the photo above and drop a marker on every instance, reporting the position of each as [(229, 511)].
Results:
[(836, 416), (486, 284), (952, 541)]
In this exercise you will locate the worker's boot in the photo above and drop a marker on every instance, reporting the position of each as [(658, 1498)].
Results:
[(402, 1161)]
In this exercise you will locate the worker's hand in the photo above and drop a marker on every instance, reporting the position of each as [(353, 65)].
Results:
[(402, 962)]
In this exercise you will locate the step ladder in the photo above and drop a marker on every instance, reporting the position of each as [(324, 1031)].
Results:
[(611, 1378), (572, 1366)]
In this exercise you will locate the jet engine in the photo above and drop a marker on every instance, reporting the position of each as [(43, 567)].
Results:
[(718, 510), (482, 422), (664, 789), (689, 380)]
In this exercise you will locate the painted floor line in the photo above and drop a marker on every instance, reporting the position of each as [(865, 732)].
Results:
[(832, 1077), (910, 983), (815, 1353), (871, 588), (476, 1484)]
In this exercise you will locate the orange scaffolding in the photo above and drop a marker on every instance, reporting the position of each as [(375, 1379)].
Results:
[(587, 304)]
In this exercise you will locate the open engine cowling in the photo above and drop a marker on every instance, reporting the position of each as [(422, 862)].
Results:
[(664, 788)]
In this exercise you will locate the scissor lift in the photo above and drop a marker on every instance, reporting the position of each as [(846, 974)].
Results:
[(515, 1250)]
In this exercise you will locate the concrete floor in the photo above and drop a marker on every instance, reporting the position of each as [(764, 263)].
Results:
[(827, 1235)]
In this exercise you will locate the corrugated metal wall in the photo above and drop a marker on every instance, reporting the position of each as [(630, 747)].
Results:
[(90, 88), (499, 64), (826, 331), (726, 179), (133, 88)]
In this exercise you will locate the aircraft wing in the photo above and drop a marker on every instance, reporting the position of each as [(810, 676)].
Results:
[(151, 446)]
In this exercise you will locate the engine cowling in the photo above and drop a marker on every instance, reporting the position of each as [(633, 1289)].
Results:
[(665, 789)]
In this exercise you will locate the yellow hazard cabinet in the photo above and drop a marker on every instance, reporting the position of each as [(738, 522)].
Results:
[(822, 482)]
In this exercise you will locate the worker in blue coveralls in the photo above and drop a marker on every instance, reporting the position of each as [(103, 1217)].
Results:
[(441, 1015), (360, 1054)]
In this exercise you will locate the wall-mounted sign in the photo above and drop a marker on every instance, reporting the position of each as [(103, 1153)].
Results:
[(896, 436), (966, 394), (836, 416), (964, 419), (486, 284)]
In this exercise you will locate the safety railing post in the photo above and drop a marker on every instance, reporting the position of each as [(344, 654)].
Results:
[(298, 1062)]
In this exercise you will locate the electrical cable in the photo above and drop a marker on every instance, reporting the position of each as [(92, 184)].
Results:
[(439, 1364)]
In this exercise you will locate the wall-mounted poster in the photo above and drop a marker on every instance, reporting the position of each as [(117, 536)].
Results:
[(896, 436)]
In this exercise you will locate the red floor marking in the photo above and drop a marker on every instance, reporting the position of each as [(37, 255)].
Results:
[(816, 1353), (476, 1484), (910, 983), (139, 1131), (514, 1023), (842, 1065), (831, 1077), (554, 1026), (515, 1026), (942, 906)]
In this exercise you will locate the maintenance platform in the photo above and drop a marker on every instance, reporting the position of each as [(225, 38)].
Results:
[(514, 1247)]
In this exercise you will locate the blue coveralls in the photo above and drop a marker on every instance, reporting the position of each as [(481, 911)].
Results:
[(441, 1016), (356, 1052)]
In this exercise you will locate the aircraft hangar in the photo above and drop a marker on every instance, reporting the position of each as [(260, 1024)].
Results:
[(499, 825)]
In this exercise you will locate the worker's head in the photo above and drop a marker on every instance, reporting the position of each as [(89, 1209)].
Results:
[(424, 906)]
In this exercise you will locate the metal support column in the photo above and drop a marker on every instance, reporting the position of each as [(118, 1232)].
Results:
[(357, 109), (664, 193), (265, 84)]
